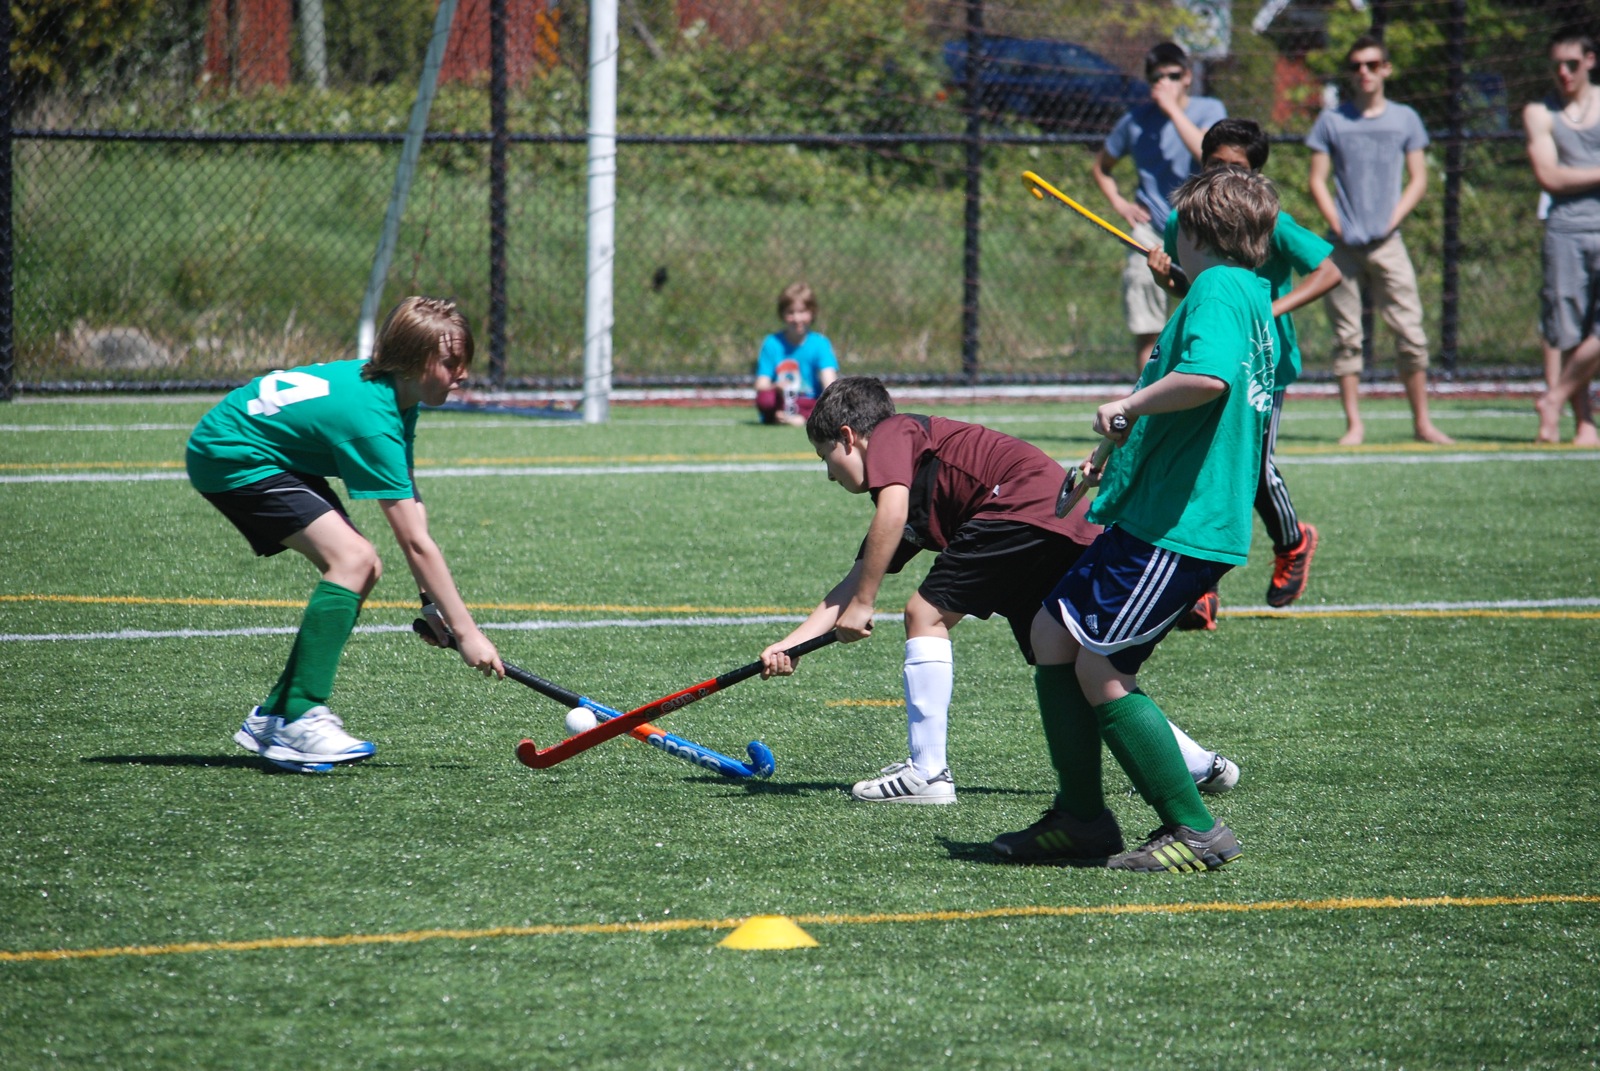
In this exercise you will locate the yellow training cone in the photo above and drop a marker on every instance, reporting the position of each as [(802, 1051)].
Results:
[(767, 931)]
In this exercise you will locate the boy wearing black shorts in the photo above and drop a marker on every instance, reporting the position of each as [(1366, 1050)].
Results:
[(985, 502), (1176, 501), (262, 456)]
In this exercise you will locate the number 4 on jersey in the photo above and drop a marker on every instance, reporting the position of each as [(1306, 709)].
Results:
[(279, 389)]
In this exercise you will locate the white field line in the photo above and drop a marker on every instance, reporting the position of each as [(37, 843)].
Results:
[(723, 620), (736, 467)]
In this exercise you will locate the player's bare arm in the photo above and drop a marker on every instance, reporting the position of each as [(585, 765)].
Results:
[(1547, 169), (1160, 265), (883, 539), (426, 561), (775, 662), (1172, 393), (1311, 286)]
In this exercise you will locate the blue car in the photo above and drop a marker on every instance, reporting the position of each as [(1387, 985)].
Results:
[(1056, 85)]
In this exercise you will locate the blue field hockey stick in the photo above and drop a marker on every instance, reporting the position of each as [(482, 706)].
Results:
[(761, 761)]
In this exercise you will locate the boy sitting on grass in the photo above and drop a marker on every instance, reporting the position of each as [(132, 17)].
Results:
[(985, 503), (796, 364), (262, 455), (1176, 501)]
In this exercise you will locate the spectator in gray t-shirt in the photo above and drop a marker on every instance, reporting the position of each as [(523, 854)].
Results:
[(1163, 137), (1373, 149)]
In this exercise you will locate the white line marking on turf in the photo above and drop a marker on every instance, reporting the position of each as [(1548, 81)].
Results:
[(717, 621), (738, 467)]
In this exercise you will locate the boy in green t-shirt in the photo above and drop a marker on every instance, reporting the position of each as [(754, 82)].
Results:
[(1176, 502), (1294, 250), (262, 456)]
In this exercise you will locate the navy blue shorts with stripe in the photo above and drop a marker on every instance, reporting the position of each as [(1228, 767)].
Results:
[(1123, 595)]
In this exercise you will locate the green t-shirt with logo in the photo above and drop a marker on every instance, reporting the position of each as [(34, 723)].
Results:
[(1294, 251), (318, 419), (1186, 481)]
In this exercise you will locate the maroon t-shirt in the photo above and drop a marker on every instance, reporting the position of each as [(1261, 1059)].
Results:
[(981, 473)]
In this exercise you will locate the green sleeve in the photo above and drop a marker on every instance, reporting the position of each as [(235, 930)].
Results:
[(1303, 250)]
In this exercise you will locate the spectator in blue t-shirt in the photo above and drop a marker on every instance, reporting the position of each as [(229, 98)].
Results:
[(1163, 137), (795, 364)]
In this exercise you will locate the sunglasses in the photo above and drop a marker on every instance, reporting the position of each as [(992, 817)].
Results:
[(1366, 65), (1167, 76), (1569, 65)]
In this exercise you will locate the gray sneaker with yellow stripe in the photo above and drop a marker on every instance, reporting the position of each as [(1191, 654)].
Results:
[(1059, 838), (1180, 850)]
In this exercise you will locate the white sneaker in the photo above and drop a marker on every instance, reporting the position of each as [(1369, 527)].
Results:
[(313, 742), (256, 732), (1223, 776), (900, 783)]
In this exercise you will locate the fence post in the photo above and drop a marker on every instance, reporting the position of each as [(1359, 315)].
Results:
[(1454, 167), (598, 311), (498, 144), (7, 304), (973, 218)]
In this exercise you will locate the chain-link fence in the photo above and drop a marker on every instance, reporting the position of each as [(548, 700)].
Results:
[(199, 185)]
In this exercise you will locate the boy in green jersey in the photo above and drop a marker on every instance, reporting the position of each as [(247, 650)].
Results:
[(1176, 503), (1294, 250), (262, 456)]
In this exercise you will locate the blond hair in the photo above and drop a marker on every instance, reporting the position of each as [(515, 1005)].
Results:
[(415, 330), (1230, 211), (797, 294)]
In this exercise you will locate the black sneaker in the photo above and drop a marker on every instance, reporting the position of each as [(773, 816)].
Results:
[(1180, 850), (1058, 837)]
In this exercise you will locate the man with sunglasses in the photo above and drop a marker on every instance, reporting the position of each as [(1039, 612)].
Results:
[(1163, 137), (1564, 148), (1373, 148)]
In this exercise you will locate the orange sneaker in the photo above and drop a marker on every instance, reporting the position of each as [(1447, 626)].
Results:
[(1291, 568), (1202, 616)]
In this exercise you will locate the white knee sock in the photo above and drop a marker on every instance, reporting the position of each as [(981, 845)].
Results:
[(930, 677), (1197, 758)]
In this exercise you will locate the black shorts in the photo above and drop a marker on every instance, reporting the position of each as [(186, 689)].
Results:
[(271, 510), (1000, 567)]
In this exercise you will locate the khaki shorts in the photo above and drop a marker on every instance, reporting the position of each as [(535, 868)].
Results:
[(1143, 300), (1385, 267)]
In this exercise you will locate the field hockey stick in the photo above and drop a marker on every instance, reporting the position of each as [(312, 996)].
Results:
[(1071, 489), (1040, 187), (761, 761), (529, 754)]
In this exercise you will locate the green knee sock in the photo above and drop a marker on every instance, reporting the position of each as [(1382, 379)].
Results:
[(307, 679), (1073, 737), (1139, 735)]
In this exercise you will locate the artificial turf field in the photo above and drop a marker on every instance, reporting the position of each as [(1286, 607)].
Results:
[(1420, 745)]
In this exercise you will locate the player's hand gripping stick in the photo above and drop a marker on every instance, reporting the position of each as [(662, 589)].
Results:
[(529, 754), (1074, 486), (761, 761)]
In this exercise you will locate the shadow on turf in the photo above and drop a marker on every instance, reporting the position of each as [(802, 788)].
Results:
[(223, 762)]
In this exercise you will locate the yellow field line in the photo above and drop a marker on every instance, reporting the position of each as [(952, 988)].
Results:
[(410, 604), (566, 459), (1378, 903), (1508, 613)]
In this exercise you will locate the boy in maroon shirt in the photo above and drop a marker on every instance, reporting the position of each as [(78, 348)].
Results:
[(985, 503)]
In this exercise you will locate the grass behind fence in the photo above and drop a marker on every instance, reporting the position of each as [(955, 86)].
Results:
[(1386, 753), (234, 260)]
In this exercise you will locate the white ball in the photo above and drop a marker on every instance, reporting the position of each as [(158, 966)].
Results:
[(580, 719)]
